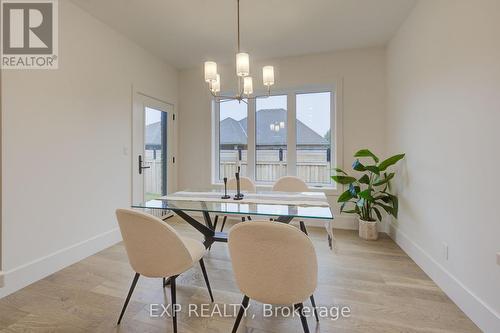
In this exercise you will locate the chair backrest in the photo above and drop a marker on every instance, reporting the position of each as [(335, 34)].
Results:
[(246, 184), (290, 184), (154, 248), (273, 263)]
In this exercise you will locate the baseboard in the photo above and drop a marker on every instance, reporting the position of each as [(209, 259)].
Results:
[(1, 279), (476, 309), (28, 273)]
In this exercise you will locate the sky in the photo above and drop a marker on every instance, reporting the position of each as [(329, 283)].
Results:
[(152, 116), (312, 109)]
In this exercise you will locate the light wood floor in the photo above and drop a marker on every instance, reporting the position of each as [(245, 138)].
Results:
[(385, 290)]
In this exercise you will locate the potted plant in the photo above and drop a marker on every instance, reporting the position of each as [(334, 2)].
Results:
[(369, 195)]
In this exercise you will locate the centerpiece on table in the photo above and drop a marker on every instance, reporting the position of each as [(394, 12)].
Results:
[(368, 195)]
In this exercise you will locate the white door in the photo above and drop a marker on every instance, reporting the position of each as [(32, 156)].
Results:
[(152, 156)]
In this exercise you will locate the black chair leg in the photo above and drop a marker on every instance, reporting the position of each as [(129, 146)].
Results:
[(249, 218), (244, 306), (132, 287), (314, 307), (299, 307), (223, 224), (174, 307), (243, 219), (202, 264), (303, 227), (215, 221)]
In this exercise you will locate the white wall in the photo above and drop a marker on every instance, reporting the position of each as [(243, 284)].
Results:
[(364, 94), (444, 112), (64, 133)]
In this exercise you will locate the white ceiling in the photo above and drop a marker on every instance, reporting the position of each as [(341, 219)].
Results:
[(187, 32)]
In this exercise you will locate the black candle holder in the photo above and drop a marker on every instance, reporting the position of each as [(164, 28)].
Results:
[(225, 196), (238, 195)]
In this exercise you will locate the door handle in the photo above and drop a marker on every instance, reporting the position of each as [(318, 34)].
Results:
[(141, 167)]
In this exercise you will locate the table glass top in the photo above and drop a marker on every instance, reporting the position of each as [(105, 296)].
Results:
[(312, 205)]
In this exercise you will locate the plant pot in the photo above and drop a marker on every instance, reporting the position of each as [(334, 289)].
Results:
[(368, 230)]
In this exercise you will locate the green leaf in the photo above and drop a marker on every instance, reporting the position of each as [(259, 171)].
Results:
[(373, 168), (364, 180), (340, 171), (379, 216), (358, 166), (385, 180), (366, 153), (346, 196), (390, 161), (387, 208), (352, 211), (354, 190), (344, 179), (366, 194)]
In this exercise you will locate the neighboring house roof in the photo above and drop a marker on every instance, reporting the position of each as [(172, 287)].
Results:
[(234, 132)]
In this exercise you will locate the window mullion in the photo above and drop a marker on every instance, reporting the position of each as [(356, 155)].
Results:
[(291, 135), (251, 132)]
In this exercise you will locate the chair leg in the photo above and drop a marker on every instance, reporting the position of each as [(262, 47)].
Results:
[(132, 287), (303, 227), (244, 306), (249, 218), (202, 264), (314, 307), (215, 221), (174, 307), (303, 318), (243, 219), (223, 223)]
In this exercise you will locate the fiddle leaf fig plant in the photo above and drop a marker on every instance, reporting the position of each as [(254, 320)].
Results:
[(369, 194)]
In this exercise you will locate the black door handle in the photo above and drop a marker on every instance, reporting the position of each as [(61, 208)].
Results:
[(141, 167)]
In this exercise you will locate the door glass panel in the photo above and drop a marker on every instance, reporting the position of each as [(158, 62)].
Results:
[(233, 139), (314, 138), (155, 153), (271, 138)]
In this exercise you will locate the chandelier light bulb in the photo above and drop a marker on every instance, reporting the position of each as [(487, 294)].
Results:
[(247, 85), (268, 75), (210, 71), (216, 84), (242, 64), (282, 124), (272, 127)]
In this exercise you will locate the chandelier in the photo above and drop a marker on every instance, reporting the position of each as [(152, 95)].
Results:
[(245, 82)]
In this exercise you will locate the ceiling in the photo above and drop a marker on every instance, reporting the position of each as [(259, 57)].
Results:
[(187, 32)]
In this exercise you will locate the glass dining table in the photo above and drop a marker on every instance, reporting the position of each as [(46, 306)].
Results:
[(279, 206)]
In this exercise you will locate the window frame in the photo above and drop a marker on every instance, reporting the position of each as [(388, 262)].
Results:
[(335, 129)]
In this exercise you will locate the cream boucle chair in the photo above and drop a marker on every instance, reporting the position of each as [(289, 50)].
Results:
[(247, 185), (156, 250), (290, 184), (273, 263), (295, 184)]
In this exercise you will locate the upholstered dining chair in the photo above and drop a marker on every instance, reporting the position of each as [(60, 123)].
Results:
[(247, 185), (292, 184), (156, 250), (273, 263)]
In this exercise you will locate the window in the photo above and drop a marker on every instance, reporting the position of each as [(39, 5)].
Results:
[(291, 134), (314, 137), (233, 139), (270, 138)]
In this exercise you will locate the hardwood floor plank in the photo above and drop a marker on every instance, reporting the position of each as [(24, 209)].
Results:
[(384, 289)]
